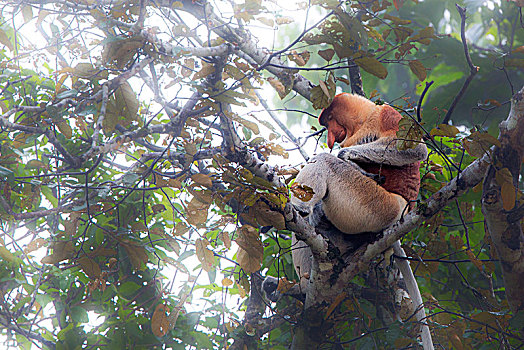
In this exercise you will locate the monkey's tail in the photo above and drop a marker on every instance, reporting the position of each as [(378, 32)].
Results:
[(414, 293)]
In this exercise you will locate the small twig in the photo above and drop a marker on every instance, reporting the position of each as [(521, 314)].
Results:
[(472, 68), (297, 39), (419, 107), (100, 121), (142, 15), (73, 161), (282, 126)]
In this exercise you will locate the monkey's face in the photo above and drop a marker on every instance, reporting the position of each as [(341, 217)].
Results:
[(353, 120)]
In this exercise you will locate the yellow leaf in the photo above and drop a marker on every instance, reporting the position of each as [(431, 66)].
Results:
[(248, 124), (88, 71), (519, 49), (284, 285), (173, 315), (284, 20), (397, 20), (267, 21), (454, 339), (474, 260), (36, 164), (248, 262), (319, 98), (158, 208), (514, 62), (299, 58), (197, 212), (7, 255), (267, 216), (226, 282), (479, 143), (174, 183)]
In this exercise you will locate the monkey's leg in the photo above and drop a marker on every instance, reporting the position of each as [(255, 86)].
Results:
[(353, 202)]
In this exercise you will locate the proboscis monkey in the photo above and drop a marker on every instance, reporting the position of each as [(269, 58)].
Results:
[(352, 201)]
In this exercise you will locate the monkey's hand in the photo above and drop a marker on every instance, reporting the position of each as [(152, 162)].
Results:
[(354, 154)]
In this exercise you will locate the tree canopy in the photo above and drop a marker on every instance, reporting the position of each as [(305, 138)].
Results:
[(147, 148)]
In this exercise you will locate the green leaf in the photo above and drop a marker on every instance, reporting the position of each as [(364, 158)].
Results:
[(27, 13), (67, 94), (128, 288), (79, 314), (372, 66), (4, 39)]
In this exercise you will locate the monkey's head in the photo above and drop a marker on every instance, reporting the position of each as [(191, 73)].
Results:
[(353, 119)]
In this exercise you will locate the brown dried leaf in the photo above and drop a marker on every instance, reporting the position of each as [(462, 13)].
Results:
[(266, 216), (418, 69), (334, 304), (284, 20), (206, 70), (62, 250), (204, 255), (479, 143), (224, 237), (278, 86), (202, 179), (327, 54), (444, 130), (90, 267), (159, 321), (136, 253), (302, 192), (197, 212), (507, 189), (35, 245), (251, 251)]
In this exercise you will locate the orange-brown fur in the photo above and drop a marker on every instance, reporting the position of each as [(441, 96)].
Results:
[(351, 118)]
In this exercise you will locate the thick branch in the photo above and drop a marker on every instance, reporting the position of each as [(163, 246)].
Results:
[(502, 210)]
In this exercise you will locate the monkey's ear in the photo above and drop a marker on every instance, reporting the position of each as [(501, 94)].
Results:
[(389, 118)]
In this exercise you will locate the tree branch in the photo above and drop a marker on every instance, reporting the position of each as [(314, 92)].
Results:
[(472, 68)]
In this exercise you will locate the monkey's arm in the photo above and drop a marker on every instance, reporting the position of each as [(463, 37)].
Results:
[(384, 151)]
